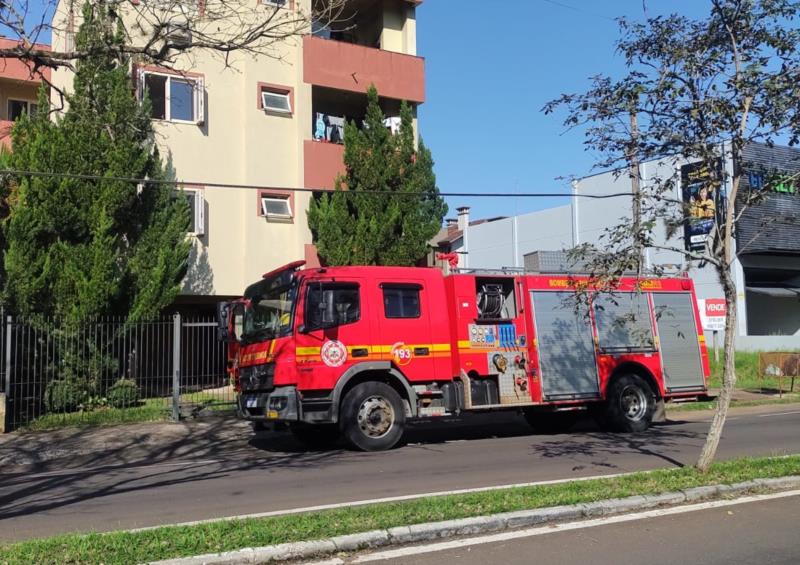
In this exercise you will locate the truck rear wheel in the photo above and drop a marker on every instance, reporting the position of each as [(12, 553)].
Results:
[(630, 404), (372, 417), (316, 436)]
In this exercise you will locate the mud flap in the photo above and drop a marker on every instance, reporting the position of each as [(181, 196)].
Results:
[(660, 413)]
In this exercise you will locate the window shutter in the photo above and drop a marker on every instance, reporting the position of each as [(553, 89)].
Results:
[(199, 213), (199, 98)]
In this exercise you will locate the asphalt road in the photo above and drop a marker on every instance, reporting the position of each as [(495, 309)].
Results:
[(271, 472), (758, 533)]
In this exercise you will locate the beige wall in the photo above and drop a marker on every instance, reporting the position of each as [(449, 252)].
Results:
[(239, 144)]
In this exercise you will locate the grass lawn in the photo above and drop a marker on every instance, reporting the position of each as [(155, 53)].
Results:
[(150, 410), (169, 542), (746, 373)]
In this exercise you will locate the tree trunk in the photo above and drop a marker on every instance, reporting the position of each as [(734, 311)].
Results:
[(728, 379)]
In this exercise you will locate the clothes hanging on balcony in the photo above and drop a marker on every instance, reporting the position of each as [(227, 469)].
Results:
[(329, 128), (319, 131), (335, 129)]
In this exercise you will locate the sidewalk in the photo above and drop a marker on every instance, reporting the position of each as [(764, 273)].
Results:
[(126, 443)]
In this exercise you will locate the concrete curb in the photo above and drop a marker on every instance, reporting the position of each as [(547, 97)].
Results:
[(478, 525)]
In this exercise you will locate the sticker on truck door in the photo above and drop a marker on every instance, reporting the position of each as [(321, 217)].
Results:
[(401, 353), (333, 353)]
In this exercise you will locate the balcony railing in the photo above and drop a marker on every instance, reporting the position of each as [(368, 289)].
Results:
[(344, 66), (323, 162)]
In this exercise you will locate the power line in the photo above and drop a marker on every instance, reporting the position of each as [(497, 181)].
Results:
[(575, 8), (78, 176)]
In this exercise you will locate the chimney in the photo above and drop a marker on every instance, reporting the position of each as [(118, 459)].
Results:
[(451, 224), (463, 217)]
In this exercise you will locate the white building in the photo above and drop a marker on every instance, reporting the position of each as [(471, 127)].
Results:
[(767, 271)]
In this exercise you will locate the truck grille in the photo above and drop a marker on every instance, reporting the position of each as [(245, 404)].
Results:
[(257, 377)]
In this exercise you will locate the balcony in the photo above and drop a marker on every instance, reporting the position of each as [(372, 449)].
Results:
[(331, 109), (21, 71), (353, 68), (323, 161)]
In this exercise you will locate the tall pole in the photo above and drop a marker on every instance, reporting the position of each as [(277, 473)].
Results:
[(633, 168), (176, 367)]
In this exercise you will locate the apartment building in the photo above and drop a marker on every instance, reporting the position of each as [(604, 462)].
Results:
[(263, 125), (19, 90)]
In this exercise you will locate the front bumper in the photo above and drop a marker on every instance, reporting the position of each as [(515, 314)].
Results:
[(279, 404)]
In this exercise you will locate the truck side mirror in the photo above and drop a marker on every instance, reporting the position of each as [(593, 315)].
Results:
[(223, 316)]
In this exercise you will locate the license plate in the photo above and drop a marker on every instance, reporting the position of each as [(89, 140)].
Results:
[(251, 401)]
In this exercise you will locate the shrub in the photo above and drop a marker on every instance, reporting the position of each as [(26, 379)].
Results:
[(123, 393), (64, 395)]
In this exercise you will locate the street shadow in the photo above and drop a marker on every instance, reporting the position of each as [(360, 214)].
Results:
[(218, 448), (664, 441)]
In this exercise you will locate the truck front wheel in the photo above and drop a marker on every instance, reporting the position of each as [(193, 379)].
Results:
[(372, 417), (630, 405)]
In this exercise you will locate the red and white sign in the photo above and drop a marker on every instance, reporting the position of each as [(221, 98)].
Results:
[(712, 313), (333, 353)]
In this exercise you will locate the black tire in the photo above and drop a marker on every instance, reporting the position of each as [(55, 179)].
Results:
[(316, 436), (551, 422), (260, 426), (372, 417), (630, 404)]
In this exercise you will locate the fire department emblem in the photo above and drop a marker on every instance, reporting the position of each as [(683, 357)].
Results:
[(333, 353), (401, 353)]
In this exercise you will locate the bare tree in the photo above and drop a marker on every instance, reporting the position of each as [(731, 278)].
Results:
[(161, 31), (703, 91)]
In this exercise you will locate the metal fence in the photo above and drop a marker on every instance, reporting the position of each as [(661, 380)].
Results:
[(109, 370)]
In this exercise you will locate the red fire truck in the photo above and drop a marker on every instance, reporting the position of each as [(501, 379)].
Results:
[(359, 351)]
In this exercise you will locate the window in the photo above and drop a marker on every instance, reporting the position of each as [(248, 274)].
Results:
[(331, 304), (623, 322), (17, 108), (276, 102), (197, 211), (276, 207), (173, 97), (401, 300)]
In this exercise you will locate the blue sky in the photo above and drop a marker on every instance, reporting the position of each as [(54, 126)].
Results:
[(491, 66)]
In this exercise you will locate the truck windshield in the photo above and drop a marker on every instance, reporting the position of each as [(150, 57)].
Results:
[(269, 312)]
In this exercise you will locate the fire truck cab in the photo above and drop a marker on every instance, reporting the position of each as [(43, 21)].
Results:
[(358, 351)]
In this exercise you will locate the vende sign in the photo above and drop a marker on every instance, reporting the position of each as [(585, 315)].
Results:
[(712, 313), (716, 307)]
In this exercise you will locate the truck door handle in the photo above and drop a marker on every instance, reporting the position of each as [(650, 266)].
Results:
[(360, 352), (421, 351)]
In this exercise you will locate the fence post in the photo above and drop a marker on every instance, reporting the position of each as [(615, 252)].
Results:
[(176, 367), (6, 416)]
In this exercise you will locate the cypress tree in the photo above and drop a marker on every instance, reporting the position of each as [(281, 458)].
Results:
[(84, 247), (354, 227)]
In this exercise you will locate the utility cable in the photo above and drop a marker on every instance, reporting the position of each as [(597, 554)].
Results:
[(192, 184)]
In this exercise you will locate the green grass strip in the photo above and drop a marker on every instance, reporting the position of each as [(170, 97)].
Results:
[(151, 410), (179, 541), (712, 404)]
